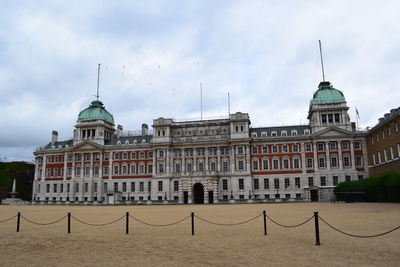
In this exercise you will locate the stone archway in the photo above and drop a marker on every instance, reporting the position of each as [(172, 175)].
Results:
[(198, 193)]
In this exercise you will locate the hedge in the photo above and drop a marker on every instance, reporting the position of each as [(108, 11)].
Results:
[(381, 188)]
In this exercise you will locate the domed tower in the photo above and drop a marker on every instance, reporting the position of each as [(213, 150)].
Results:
[(328, 108), (94, 123)]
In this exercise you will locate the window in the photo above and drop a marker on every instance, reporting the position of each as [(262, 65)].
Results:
[(276, 183), (160, 168), (56, 159), (141, 155), (345, 145), (274, 133), (61, 188), (124, 169), (348, 178), (253, 134), (379, 157), (283, 133), (358, 161), (240, 165), (373, 159), (306, 131), (391, 153), (86, 187), (116, 169), (297, 182), (133, 155), (149, 186), (105, 187), (133, 169), (213, 166), (47, 188), (346, 161), (68, 187), (296, 163), (224, 184), (265, 164), (160, 186), (357, 145), (295, 148), (116, 155), (124, 187), (337, 117), (266, 183), (335, 180), (55, 171), (293, 132), (177, 167), (263, 134), (96, 170), (323, 181), (87, 170), (332, 146), (321, 147), (322, 162), (133, 185), (287, 196), (150, 168), (255, 165), (275, 163), (125, 155), (274, 149), (201, 166), (287, 182), (384, 154), (323, 118), (310, 181), (54, 188), (255, 150), (225, 166), (141, 168), (285, 163), (256, 184), (141, 186), (360, 177), (161, 153), (264, 150), (105, 170), (308, 147), (115, 187), (330, 118), (176, 186), (77, 188), (241, 184), (334, 162), (240, 150), (150, 154), (189, 167), (78, 171), (285, 148)]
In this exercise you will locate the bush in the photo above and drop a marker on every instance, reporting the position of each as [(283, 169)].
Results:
[(381, 188)]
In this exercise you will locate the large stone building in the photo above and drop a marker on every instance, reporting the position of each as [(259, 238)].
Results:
[(383, 144), (203, 161)]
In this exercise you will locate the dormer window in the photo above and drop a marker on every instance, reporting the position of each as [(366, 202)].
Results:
[(264, 134), (293, 132), (126, 142), (307, 131), (284, 133), (274, 133), (253, 134)]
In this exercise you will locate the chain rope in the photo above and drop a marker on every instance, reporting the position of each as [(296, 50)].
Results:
[(359, 236), (6, 220), (26, 219), (101, 224), (228, 224), (290, 226), (160, 225)]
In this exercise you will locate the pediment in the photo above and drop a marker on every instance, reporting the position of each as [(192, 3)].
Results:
[(87, 145), (333, 131)]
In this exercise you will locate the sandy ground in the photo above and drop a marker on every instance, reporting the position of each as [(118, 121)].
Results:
[(242, 245)]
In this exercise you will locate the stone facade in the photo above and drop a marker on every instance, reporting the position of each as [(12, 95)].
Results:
[(202, 161)]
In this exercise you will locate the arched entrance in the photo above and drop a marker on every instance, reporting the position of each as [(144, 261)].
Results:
[(198, 193)]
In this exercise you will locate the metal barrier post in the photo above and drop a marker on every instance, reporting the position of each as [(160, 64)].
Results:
[(317, 243), (127, 222), (192, 223), (69, 222), (18, 221), (265, 222)]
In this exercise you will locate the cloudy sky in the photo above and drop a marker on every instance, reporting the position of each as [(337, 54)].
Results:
[(155, 54)]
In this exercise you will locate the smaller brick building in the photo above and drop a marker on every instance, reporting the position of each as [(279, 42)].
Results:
[(383, 144)]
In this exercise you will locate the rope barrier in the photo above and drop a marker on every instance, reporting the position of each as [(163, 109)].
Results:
[(101, 224), (290, 226), (26, 219), (228, 224), (359, 236), (160, 225), (6, 220)]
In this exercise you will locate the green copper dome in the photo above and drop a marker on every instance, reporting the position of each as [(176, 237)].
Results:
[(327, 94), (96, 111)]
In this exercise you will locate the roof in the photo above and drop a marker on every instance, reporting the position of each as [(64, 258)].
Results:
[(327, 94), (96, 111), (387, 117), (130, 140), (60, 144), (278, 130)]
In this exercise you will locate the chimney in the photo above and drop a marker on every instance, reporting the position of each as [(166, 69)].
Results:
[(145, 129), (119, 130), (54, 137)]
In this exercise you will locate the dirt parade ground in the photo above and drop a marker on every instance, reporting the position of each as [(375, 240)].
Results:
[(216, 245)]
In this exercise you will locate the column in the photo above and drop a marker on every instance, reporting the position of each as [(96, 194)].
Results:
[(190, 188), (247, 157), (183, 164), (340, 156), (328, 162), (91, 175), (303, 158), (180, 194), (215, 189), (194, 160), (315, 156), (352, 157), (218, 163), (110, 163), (205, 189), (206, 156), (71, 184), (99, 185), (155, 169), (232, 159), (167, 161)]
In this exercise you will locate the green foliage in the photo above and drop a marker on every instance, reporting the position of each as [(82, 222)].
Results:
[(381, 188), (22, 172)]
